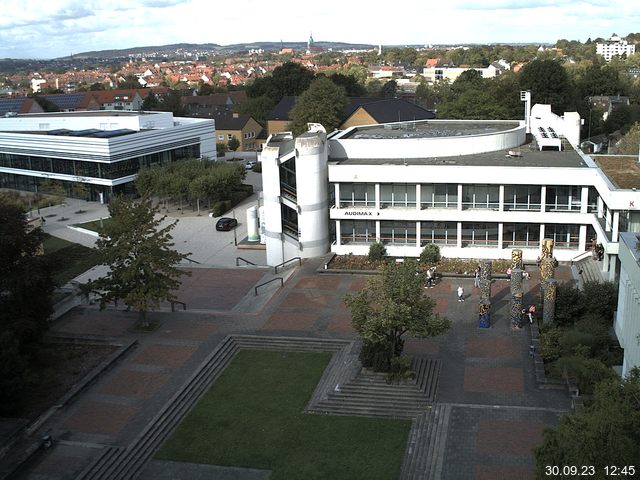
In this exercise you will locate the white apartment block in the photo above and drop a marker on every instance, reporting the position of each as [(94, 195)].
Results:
[(615, 46)]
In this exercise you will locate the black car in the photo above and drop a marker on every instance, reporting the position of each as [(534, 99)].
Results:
[(225, 224)]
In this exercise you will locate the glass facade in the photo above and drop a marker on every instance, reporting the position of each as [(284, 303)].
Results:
[(288, 178), (398, 232), (564, 236), (357, 195), (520, 235), (435, 195), (479, 234), (480, 197), (440, 233), (564, 199), (522, 197), (357, 231), (400, 195)]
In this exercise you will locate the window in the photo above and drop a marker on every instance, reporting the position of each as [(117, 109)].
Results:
[(221, 138), (398, 232), (229, 136), (401, 195), (518, 235), (522, 197), (480, 196), (565, 199), (564, 236), (479, 234), (439, 195), (357, 231), (357, 195), (592, 203), (440, 233)]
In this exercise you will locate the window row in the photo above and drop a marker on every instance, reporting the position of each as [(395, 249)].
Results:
[(82, 168), (516, 197), (514, 235)]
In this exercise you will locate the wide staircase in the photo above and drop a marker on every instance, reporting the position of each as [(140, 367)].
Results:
[(589, 270), (370, 394)]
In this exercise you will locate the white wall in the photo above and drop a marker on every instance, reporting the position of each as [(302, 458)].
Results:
[(627, 321)]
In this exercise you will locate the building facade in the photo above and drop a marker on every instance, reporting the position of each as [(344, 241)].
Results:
[(615, 46), (477, 189), (102, 149), (627, 322)]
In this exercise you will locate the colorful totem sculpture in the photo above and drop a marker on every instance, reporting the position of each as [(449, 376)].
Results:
[(484, 307), (516, 309), (549, 289), (516, 259)]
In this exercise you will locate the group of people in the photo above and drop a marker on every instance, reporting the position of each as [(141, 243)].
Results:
[(597, 250)]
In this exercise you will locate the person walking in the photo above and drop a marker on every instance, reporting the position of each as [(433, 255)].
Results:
[(476, 277), (460, 293), (531, 313)]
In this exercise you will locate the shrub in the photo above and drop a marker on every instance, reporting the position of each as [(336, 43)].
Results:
[(601, 299), (218, 208), (587, 372), (569, 304), (257, 167), (430, 254), (550, 343), (400, 369), (377, 251)]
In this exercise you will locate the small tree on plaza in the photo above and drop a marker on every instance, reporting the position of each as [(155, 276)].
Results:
[(391, 305), (142, 264)]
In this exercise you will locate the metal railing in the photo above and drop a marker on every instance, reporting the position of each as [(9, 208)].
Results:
[(173, 305), (275, 269), (255, 290), (192, 261), (244, 260)]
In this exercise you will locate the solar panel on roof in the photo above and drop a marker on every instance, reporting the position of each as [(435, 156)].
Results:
[(10, 105), (70, 100), (84, 133), (113, 133)]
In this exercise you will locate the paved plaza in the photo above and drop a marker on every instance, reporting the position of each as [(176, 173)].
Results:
[(487, 383)]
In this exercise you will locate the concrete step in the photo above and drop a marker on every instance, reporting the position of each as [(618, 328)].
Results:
[(591, 271), (369, 411)]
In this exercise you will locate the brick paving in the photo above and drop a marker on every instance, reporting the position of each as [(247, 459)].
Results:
[(487, 378)]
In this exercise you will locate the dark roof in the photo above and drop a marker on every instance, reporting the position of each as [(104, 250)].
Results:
[(282, 109), (389, 110), (229, 122), (16, 105), (384, 110), (66, 101)]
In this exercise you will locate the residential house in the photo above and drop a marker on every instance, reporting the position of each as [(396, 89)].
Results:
[(73, 102), (123, 99), (13, 106), (242, 127)]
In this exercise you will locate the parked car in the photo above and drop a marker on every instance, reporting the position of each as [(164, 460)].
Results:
[(249, 165), (225, 224)]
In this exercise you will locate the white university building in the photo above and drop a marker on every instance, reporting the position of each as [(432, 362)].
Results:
[(475, 188), (615, 46), (101, 149)]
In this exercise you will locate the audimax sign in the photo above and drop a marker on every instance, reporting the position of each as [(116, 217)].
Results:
[(360, 213)]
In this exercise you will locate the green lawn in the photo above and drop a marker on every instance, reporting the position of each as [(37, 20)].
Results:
[(68, 259), (252, 417), (94, 225)]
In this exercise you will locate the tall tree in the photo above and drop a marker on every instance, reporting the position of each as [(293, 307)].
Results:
[(142, 264), (322, 103), (392, 305), (549, 84), (604, 434)]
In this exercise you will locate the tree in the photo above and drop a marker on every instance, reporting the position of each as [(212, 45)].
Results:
[(322, 103), (288, 79), (377, 251), (352, 87), (143, 265), (391, 305), (389, 89), (605, 433), (549, 84), (630, 143), (26, 284), (233, 144)]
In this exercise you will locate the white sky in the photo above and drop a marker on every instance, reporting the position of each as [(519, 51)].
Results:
[(55, 28)]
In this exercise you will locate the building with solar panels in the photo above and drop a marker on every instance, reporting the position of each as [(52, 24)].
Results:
[(102, 149)]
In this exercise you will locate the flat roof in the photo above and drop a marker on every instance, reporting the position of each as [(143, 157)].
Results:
[(430, 129), (622, 170), (530, 156), (91, 113)]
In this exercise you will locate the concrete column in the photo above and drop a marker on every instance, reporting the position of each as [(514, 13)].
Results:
[(516, 259), (338, 241), (516, 309), (543, 199), (500, 233), (584, 200), (615, 226), (459, 197), (377, 231), (612, 268), (608, 221), (549, 289), (459, 239), (418, 233), (418, 195), (605, 262), (582, 238), (541, 235), (377, 190), (501, 199), (600, 207), (336, 193)]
